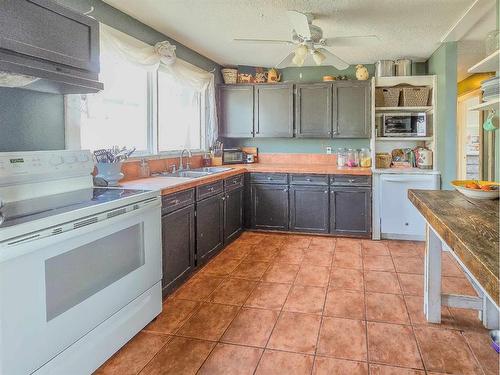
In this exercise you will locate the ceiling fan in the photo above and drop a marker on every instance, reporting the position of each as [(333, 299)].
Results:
[(310, 43)]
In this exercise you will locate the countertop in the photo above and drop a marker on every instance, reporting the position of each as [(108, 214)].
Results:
[(469, 227), (168, 185)]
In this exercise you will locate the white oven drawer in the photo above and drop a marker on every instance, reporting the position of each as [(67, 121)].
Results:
[(61, 287)]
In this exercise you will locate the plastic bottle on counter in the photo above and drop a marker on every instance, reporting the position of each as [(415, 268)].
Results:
[(365, 158), (144, 169)]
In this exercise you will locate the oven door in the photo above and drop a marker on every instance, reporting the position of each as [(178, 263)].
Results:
[(55, 290)]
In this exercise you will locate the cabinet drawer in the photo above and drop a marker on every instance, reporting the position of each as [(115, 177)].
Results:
[(234, 182), (269, 178), (350, 180), (205, 191), (176, 201), (308, 179)]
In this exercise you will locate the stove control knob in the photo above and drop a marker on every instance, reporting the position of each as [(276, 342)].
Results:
[(56, 160)]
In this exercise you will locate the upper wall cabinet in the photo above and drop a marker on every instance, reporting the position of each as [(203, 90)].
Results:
[(322, 110), (236, 111), (43, 39), (273, 111), (351, 109), (313, 110)]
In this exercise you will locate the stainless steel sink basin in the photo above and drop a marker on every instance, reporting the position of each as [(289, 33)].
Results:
[(189, 174), (195, 173), (211, 170)]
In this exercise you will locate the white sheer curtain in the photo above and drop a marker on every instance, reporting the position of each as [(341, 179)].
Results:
[(162, 56)]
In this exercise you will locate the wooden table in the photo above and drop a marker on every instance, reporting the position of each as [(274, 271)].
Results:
[(469, 229)]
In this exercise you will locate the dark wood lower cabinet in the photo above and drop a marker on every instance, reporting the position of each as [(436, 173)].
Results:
[(309, 210), (209, 227), (350, 211), (233, 214), (269, 206), (178, 247)]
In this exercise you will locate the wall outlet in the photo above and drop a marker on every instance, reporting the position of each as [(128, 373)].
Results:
[(328, 150)]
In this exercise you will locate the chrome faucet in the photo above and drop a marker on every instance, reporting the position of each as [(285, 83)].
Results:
[(181, 166)]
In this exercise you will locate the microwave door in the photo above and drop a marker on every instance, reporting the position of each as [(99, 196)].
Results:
[(397, 125)]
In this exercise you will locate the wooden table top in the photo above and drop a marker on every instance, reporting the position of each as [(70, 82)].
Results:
[(469, 227)]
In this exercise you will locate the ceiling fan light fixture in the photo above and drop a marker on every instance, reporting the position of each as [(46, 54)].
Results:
[(301, 50), (298, 60), (318, 57)]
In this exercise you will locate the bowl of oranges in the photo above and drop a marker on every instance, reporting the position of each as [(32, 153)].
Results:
[(477, 189)]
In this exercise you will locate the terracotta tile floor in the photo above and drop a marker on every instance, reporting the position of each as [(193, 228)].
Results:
[(290, 304)]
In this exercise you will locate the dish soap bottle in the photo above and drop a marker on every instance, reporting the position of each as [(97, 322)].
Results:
[(144, 169)]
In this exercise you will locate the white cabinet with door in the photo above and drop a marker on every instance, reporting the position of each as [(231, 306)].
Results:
[(397, 217)]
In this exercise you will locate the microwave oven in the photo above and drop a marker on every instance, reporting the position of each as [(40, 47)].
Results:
[(233, 156), (404, 124)]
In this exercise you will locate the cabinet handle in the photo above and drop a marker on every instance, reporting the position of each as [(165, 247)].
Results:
[(223, 198), (326, 191), (211, 189), (175, 201), (351, 180), (335, 132), (269, 178), (286, 189), (308, 179)]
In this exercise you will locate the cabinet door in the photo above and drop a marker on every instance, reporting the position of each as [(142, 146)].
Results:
[(350, 211), (48, 31), (309, 210), (178, 247), (273, 110), (209, 227), (233, 214), (269, 206), (236, 111), (352, 109), (313, 110)]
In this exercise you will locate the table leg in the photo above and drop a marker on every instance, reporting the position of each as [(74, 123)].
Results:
[(432, 277)]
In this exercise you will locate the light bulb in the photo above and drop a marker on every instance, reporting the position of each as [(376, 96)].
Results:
[(301, 50), (298, 60), (318, 57)]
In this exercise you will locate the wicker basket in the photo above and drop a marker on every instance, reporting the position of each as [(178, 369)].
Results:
[(387, 96), (383, 160), (415, 96), (229, 75)]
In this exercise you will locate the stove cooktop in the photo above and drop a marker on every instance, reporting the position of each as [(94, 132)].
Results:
[(24, 211)]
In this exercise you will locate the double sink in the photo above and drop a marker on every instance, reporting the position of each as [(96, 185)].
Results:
[(195, 173)]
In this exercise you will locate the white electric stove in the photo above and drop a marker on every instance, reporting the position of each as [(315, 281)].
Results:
[(80, 267)]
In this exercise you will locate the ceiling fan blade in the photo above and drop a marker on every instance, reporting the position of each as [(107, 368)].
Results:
[(299, 23), (351, 40), (286, 61), (268, 41), (332, 59)]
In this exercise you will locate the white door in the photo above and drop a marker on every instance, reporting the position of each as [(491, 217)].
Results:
[(398, 217)]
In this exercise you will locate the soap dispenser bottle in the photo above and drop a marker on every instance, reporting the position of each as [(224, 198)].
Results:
[(144, 169)]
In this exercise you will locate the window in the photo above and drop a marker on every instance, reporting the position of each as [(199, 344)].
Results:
[(179, 115), (119, 114), (150, 110)]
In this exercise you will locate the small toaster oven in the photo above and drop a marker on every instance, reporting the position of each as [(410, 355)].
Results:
[(233, 156)]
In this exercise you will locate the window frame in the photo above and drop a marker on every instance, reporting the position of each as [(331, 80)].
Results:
[(73, 123)]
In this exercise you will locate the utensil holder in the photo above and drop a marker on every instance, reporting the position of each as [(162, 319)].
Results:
[(110, 172)]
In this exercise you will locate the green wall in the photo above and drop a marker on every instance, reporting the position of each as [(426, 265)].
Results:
[(443, 63), (31, 120)]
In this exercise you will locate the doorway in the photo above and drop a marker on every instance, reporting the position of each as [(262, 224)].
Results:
[(470, 137)]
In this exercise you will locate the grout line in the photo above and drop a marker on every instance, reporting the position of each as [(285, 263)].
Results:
[(276, 322)]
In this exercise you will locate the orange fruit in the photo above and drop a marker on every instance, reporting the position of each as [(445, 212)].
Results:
[(472, 185)]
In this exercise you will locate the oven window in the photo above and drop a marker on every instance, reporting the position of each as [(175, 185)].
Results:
[(74, 276)]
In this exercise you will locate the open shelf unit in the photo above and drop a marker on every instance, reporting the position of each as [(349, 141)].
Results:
[(489, 64), (486, 106), (386, 144), (404, 109)]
